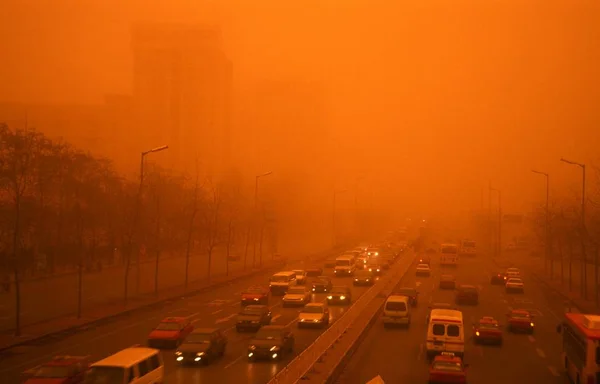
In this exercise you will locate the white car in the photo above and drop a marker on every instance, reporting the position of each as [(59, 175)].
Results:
[(296, 296), (515, 284), (423, 270), (300, 276), (313, 314)]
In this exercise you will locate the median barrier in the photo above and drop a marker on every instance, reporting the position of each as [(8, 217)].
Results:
[(215, 283), (299, 368)]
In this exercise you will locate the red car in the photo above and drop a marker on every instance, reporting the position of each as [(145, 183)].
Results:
[(447, 368), (487, 330), (520, 320), (256, 295), (170, 332), (60, 370)]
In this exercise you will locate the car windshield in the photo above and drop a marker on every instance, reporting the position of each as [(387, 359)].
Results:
[(488, 325), (362, 273), (168, 326), (198, 338), (312, 309), (517, 281), (449, 250), (51, 372), (295, 291), (342, 263), (395, 306), (447, 366), (341, 290), (251, 311), (254, 290), (280, 279), (105, 375), (268, 334)]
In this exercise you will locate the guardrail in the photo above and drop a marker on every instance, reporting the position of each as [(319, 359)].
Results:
[(302, 364)]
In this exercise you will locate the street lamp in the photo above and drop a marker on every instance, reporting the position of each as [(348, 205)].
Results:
[(257, 178), (333, 221), (547, 235), (499, 220), (584, 257)]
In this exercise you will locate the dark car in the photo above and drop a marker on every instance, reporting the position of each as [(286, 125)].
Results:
[(447, 282), (498, 279), (322, 284), (425, 260), (364, 277), (271, 342), (201, 346), (314, 272), (520, 320), (61, 369), (411, 293), (374, 266), (255, 295), (340, 295), (252, 317), (467, 294)]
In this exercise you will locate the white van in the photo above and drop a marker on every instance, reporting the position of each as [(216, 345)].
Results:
[(449, 254), (135, 365), (445, 332), (345, 265), (396, 310), (282, 281)]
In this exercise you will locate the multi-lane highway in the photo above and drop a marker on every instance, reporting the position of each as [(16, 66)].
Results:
[(217, 308), (398, 355)]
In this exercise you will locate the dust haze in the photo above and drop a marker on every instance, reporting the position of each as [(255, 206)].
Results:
[(404, 108)]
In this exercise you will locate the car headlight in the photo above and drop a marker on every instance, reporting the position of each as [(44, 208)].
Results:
[(329, 297), (314, 289), (531, 324), (342, 297), (274, 348), (200, 354), (370, 270), (366, 279), (477, 333), (302, 320), (378, 270), (252, 347), (178, 353), (355, 279), (255, 299), (255, 322)]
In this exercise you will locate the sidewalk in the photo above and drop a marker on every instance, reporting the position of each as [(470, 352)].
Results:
[(67, 324)]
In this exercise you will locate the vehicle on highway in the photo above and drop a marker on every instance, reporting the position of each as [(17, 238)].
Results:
[(487, 330), (445, 332), (252, 317), (322, 284), (520, 320), (374, 267), (255, 295), (133, 365), (281, 282), (364, 277), (373, 252), (296, 296), (59, 370), (344, 265), (449, 255), (271, 342), (202, 346), (447, 282), (314, 272), (514, 285), (581, 336), (411, 293), (361, 262), (355, 253), (512, 272), (313, 314), (498, 279), (424, 259), (468, 248), (330, 262), (467, 294), (396, 311), (447, 368), (423, 270), (340, 295), (170, 332), (437, 306), (300, 276)]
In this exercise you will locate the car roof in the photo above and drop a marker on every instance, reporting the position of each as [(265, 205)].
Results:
[(127, 357), (520, 312), (488, 319), (298, 270)]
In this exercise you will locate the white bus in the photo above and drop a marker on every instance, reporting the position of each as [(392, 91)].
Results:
[(449, 254), (445, 332), (581, 347)]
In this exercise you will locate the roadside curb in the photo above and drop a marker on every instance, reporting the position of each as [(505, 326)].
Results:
[(179, 296)]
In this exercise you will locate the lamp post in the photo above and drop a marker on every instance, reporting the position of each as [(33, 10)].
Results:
[(256, 179), (499, 252), (333, 214), (547, 247), (139, 209), (583, 253)]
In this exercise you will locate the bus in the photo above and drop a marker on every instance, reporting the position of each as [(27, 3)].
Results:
[(581, 347), (449, 254)]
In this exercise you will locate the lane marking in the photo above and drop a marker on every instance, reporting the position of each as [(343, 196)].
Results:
[(274, 305), (553, 371), (540, 353), (234, 361), (225, 319), (291, 322), (192, 315), (235, 304), (275, 317), (217, 311), (531, 338)]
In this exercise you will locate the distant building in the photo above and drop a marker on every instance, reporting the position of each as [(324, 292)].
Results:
[(182, 93)]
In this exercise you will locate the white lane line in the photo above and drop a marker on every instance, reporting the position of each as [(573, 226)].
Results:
[(275, 317), (235, 304), (274, 305), (553, 371), (217, 311), (234, 361), (540, 353), (192, 315), (531, 338), (225, 319), (291, 322)]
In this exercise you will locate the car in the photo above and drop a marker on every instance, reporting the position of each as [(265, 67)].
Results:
[(467, 294), (330, 262), (313, 314), (361, 262), (498, 279), (252, 317), (423, 270), (375, 267), (322, 284), (411, 293), (447, 282), (487, 330), (271, 342), (203, 345), (170, 332), (364, 277), (300, 276), (514, 284), (340, 295), (437, 306), (425, 260), (296, 296), (373, 252), (314, 272), (520, 320), (447, 368), (59, 370), (255, 295)]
